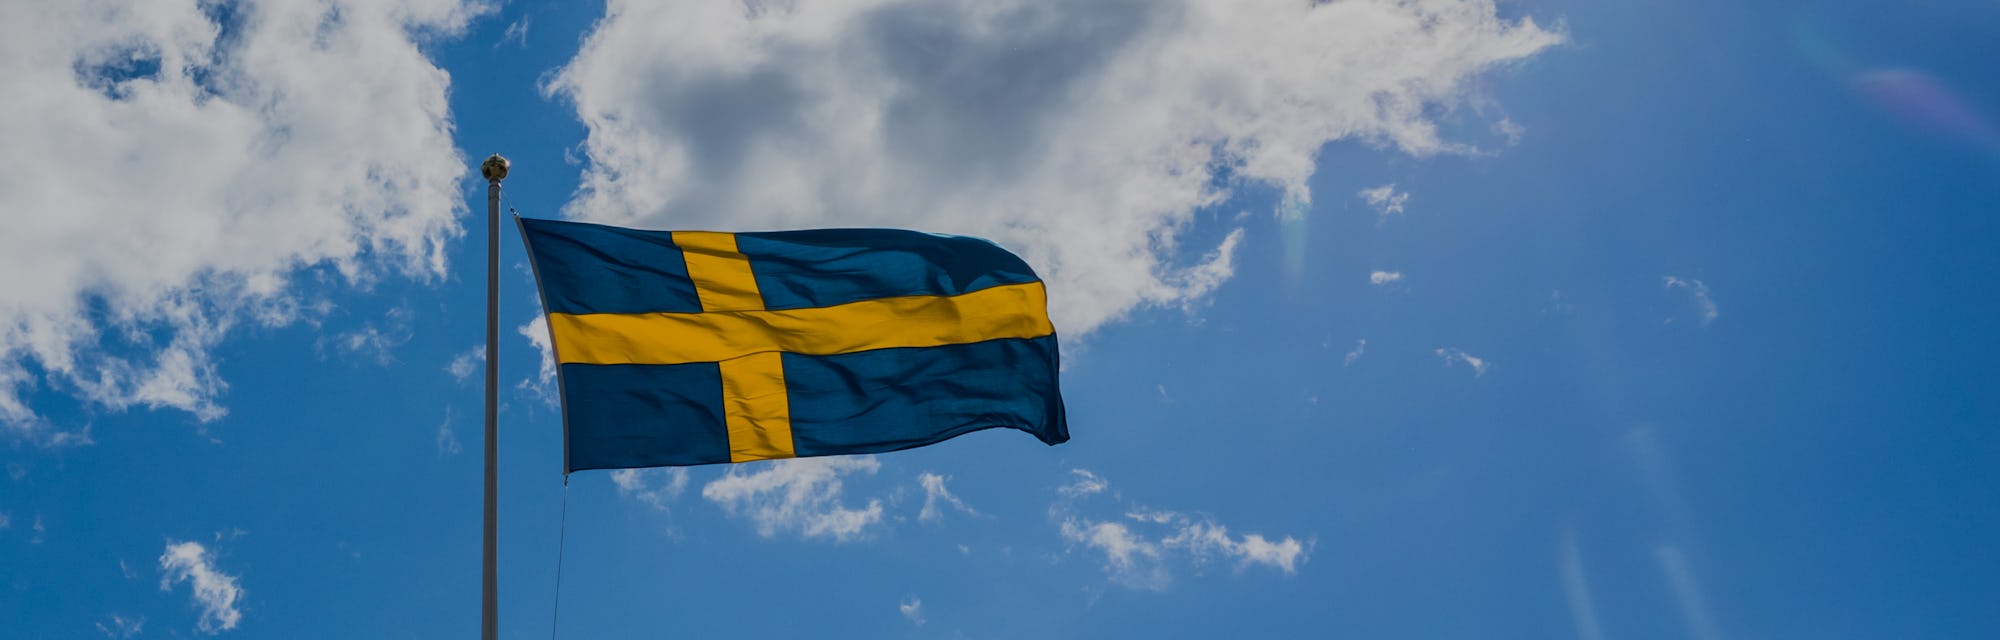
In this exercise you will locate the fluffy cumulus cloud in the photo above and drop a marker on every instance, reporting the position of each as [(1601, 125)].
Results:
[(543, 385), (172, 165), (215, 592), (1084, 135), (801, 496), (1140, 547)]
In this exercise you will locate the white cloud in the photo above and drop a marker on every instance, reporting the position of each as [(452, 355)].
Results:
[(1205, 539), (5, 520), (800, 496), (655, 487), (447, 440), (120, 626), (913, 609), (1084, 135), (1513, 132), (1129, 559), (169, 177), (1360, 347), (517, 33), (215, 592), (465, 364), (1687, 593), (1576, 588), (1286, 554), (1452, 355), (1134, 558), (1194, 283), (1700, 292), (1379, 278), (543, 385), (1387, 201), (935, 494), (1559, 303), (1086, 483), (374, 342)]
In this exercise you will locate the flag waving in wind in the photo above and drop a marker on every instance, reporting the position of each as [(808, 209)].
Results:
[(698, 347)]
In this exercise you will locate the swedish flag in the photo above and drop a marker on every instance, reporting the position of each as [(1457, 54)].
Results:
[(699, 347)]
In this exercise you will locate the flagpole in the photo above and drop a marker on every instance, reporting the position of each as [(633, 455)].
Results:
[(494, 169)]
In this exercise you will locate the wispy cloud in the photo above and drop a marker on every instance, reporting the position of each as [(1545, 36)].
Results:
[(1129, 559), (1138, 548), (1385, 200), (1129, 110), (119, 626), (1687, 593), (1379, 278), (517, 33), (1204, 538), (657, 488), (1709, 312), (1082, 483), (1559, 304), (936, 496), (375, 341), (215, 593), (466, 363), (1360, 347), (801, 496), (447, 440), (913, 610), (1454, 355), (1576, 588)]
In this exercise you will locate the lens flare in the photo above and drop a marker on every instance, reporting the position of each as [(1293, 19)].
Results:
[(1292, 229), (1911, 97), (1921, 101)]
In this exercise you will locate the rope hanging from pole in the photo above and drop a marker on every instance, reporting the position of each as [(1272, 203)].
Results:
[(562, 536)]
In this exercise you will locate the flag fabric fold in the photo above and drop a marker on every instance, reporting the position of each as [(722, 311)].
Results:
[(697, 347)]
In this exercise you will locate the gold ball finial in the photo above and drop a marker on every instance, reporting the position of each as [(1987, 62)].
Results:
[(494, 168)]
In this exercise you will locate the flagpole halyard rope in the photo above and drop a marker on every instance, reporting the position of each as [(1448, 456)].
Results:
[(562, 536)]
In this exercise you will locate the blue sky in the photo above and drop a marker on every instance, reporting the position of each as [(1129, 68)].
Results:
[(1429, 319)]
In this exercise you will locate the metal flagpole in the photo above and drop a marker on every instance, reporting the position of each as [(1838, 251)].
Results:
[(494, 169)]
